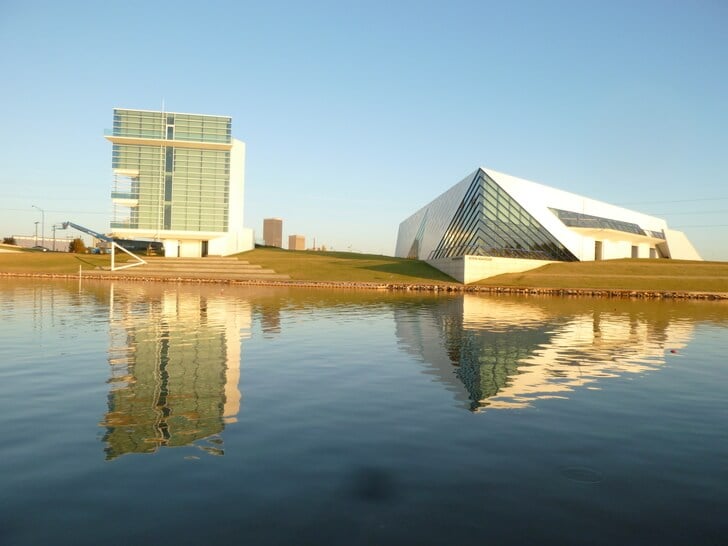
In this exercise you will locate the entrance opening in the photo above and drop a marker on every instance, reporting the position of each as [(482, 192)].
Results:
[(635, 252), (203, 252)]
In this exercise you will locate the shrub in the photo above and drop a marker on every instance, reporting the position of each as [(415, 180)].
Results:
[(77, 246), (9, 241)]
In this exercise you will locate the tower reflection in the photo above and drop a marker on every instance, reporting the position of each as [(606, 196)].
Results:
[(506, 353), (175, 367)]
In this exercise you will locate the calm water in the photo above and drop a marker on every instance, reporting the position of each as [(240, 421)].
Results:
[(140, 413)]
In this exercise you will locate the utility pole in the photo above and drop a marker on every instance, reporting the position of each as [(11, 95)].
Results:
[(55, 227), (42, 225), (36, 234)]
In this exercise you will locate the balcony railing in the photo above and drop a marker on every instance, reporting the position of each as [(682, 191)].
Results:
[(123, 225), (124, 195), (209, 137)]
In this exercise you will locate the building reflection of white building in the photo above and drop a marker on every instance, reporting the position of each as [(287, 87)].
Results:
[(175, 367), (506, 353)]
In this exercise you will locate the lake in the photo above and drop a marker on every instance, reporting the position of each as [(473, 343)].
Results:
[(156, 413)]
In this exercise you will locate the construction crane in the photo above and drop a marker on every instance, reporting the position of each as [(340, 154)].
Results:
[(107, 239)]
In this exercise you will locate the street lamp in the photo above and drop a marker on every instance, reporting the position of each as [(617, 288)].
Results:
[(42, 224), (36, 233)]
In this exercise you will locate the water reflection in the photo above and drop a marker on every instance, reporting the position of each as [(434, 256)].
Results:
[(349, 430), (175, 352), (175, 367), (505, 353)]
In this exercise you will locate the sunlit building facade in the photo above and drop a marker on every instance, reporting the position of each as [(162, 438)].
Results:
[(273, 232), (179, 179), (296, 242), (491, 223)]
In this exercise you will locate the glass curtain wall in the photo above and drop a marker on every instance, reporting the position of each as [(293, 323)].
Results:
[(200, 190), (489, 222), (175, 188), (148, 163)]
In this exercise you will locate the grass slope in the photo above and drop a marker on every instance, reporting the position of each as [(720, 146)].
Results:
[(52, 262), (627, 274), (344, 266), (642, 274)]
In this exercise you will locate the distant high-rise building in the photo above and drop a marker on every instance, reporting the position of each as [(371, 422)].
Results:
[(296, 242), (273, 232), (179, 179)]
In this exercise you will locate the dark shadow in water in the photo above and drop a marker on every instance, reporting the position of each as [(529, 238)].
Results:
[(372, 484)]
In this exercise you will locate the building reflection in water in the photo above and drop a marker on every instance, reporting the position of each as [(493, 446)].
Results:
[(175, 367), (505, 353)]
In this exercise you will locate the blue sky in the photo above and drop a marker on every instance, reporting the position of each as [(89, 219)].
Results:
[(356, 114)]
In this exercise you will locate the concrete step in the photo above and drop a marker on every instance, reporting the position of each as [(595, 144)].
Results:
[(190, 275), (210, 267), (208, 260), (201, 269), (214, 276), (197, 273)]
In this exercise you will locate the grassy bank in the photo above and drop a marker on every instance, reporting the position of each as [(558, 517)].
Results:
[(344, 266), (60, 263), (640, 275), (628, 274), (303, 266)]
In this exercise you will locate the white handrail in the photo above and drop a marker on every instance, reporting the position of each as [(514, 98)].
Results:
[(125, 266)]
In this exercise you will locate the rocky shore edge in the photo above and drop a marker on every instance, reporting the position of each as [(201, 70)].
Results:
[(395, 287)]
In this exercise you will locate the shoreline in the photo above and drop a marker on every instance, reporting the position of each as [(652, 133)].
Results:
[(395, 287)]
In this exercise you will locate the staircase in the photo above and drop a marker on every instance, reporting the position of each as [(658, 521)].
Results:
[(209, 268)]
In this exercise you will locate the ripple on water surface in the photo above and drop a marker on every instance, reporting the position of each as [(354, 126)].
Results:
[(321, 416)]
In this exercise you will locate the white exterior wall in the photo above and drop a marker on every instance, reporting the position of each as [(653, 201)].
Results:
[(439, 213), (171, 247), (467, 269), (537, 199), (238, 238), (190, 249), (680, 247), (237, 186), (238, 241)]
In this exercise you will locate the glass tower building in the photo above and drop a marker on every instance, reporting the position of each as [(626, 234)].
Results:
[(178, 178), (492, 223)]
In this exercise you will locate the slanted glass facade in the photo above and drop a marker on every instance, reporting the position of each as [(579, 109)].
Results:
[(489, 222), (164, 185)]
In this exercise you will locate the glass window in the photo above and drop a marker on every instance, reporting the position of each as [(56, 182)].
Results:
[(167, 216), (169, 160), (577, 219), (489, 222), (167, 187)]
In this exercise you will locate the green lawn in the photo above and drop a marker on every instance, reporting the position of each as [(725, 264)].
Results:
[(628, 274), (344, 266), (658, 275), (52, 262)]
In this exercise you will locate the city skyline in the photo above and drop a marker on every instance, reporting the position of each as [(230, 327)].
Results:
[(359, 111)]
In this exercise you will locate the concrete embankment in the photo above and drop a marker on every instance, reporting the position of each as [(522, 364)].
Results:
[(395, 287)]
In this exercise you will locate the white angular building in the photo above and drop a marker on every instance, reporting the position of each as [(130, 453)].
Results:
[(491, 223)]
